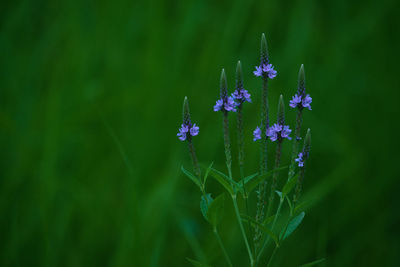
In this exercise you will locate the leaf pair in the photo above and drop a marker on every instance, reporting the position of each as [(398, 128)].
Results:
[(196, 180)]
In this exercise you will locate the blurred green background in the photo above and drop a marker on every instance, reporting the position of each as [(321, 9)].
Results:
[(90, 104)]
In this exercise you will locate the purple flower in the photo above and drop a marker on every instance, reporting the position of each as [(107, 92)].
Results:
[(278, 132), (267, 69), (257, 134), (301, 102), (228, 103), (300, 159), (241, 95), (193, 130)]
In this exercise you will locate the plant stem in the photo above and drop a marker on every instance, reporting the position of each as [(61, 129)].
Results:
[(242, 229), (296, 143), (272, 228), (274, 177), (272, 256), (228, 260)]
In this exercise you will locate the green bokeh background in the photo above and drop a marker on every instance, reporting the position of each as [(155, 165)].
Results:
[(90, 103)]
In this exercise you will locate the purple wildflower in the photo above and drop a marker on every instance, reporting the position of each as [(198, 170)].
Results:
[(227, 103), (278, 132), (300, 159), (193, 130), (241, 95), (301, 102), (257, 134), (265, 69)]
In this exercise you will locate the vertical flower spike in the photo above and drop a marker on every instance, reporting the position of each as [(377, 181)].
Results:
[(297, 101), (240, 95), (186, 132), (278, 132), (264, 62), (225, 103), (302, 158), (265, 69)]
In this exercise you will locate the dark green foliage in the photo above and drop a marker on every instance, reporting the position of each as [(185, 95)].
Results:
[(90, 104)]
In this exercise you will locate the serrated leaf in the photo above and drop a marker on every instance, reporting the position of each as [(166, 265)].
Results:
[(313, 263), (252, 183), (293, 224), (289, 185), (217, 175), (204, 206), (215, 210), (206, 174), (191, 177), (197, 263), (262, 227)]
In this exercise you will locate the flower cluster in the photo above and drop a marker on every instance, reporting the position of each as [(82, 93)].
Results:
[(193, 130), (274, 132), (227, 103), (241, 95), (301, 101), (267, 69)]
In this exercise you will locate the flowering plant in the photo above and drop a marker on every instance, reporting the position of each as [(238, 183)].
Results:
[(261, 226)]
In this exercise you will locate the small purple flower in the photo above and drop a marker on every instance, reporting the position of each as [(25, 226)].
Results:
[(227, 103), (300, 159), (267, 69), (270, 70), (241, 95), (257, 134), (278, 132), (301, 102), (193, 130)]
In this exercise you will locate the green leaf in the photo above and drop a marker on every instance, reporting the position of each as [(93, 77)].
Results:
[(204, 206), (293, 224), (215, 210), (262, 227), (254, 181), (289, 185), (268, 220), (290, 204), (220, 177), (191, 177), (313, 263), (279, 194), (197, 263), (301, 206), (206, 174)]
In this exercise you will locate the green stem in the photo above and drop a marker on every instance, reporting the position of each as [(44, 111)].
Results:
[(272, 256), (228, 260), (272, 228), (242, 230), (296, 142), (274, 177)]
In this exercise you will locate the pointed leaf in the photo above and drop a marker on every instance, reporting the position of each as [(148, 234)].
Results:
[(279, 194), (262, 227), (215, 210), (289, 185), (191, 177), (301, 206), (268, 220), (206, 174), (220, 179), (197, 263), (313, 263), (204, 206), (293, 224)]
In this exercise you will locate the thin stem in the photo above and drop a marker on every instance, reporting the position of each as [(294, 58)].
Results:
[(272, 256), (242, 230), (228, 260), (195, 162), (272, 228), (263, 159), (296, 142), (274, 177)]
